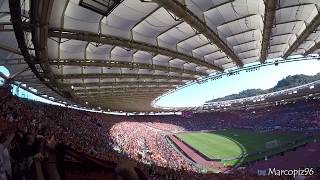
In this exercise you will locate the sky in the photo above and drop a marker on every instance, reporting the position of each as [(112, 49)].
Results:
[(23, 93), (264, 78)]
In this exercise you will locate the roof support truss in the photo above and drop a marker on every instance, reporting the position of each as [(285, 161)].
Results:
[(136, 86), (118, 75), (130, 89), (120, 93), (122, 64), (124, 83), (119, 96), (38, 25), (270, 12), (132, 44), (184, 13)]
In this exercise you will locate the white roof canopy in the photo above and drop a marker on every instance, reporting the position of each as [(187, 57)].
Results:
[(136, 51)]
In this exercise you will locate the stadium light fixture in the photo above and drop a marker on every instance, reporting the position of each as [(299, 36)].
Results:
[(103, 7)]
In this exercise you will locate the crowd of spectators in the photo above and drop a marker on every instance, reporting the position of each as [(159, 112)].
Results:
[(148, 145), (140, 138)]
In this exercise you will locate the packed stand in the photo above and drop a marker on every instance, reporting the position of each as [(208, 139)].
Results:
[(140, 138)]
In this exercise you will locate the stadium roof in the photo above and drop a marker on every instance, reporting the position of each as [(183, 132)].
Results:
[(122, 54)]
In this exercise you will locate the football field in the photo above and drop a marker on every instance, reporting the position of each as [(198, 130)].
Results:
[(235, 146)]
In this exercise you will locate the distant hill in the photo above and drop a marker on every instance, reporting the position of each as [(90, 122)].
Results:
[(286, 83)]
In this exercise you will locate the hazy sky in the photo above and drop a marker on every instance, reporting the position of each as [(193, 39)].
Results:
[(197, 94), (22, 92), (264, 78)]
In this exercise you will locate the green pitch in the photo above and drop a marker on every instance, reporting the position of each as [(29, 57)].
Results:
[(234, 146)]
